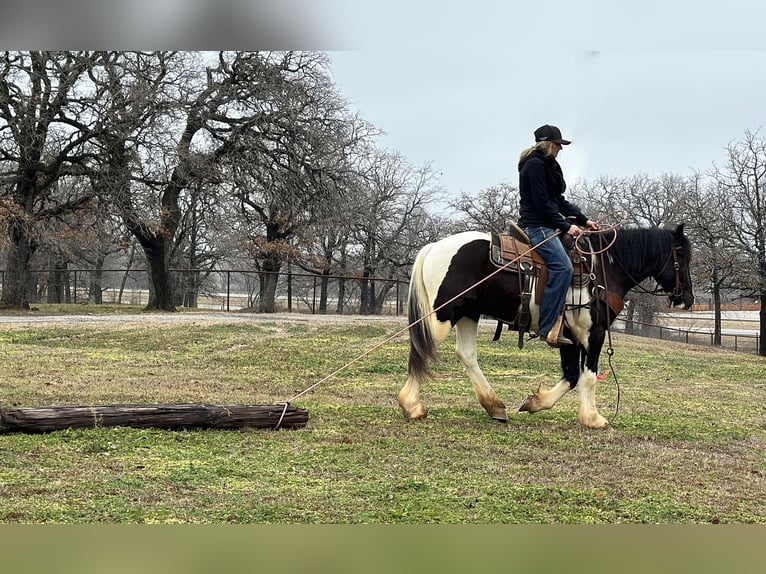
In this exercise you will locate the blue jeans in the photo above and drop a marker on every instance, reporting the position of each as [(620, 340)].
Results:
[(560, 272)]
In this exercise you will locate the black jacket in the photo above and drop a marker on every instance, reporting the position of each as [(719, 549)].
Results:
[(541, 191)]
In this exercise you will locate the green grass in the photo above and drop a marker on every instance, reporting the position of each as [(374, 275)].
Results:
[(687, 445)]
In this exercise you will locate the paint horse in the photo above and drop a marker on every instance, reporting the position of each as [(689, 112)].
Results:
[(445, 269)]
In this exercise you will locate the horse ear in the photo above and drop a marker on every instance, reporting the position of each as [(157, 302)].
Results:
[(679, 232)]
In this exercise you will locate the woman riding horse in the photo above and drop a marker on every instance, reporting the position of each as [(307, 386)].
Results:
[(542, 211)]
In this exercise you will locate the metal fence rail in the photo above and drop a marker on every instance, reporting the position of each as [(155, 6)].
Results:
[(227, 290), (237, 289), (748, 343)]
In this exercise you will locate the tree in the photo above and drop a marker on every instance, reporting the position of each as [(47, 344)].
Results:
[(717, 263), (491, 209), (291, 165), (390, 207), (743, 180), (156, 112), (46, 125)]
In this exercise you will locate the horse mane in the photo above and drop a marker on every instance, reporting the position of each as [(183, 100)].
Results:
[(639, 249)]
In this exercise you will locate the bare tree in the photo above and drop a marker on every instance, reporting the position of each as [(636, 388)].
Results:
[(46, 125), (390, 209), (743, 180), (717, 263), (292, 165), (491, 209)]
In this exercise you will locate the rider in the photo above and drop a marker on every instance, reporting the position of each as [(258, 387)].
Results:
[(542, 211)]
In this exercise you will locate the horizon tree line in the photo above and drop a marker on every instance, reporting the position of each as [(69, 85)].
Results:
[(197, 160)]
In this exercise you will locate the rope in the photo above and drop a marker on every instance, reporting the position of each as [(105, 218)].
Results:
[(610, 346), (282, 416), (395, 335)]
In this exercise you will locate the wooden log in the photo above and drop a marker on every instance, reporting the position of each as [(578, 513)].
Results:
[(171, 416)]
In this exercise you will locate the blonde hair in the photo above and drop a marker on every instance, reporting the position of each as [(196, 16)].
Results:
[(546, 147)]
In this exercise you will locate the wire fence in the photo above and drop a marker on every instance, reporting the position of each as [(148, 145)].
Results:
[(226, 290), (745, 342), (239, 289)]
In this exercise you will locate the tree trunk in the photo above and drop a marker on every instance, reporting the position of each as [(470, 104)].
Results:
[(380, 296), (17, 282), (341, 295), (161, 284), (269, 278), (717, 327), (173, 417), (190, 286), (323, 287), (56, 282), (95, 291), (366, 293), (762, 325), (630, 311), (341, 283)]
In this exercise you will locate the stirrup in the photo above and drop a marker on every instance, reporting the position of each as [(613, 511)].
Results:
[(558, 342), (554, 338)]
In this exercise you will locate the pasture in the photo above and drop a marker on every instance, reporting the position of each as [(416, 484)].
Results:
[(688, 445)]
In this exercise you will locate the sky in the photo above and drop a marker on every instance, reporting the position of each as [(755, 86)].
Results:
[(640, 87), (647, 87), (627, 112)]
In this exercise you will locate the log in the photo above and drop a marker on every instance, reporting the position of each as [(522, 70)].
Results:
[(171, 416)]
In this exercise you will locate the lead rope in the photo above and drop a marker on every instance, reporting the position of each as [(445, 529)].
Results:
[(610, 347), (392, 337)]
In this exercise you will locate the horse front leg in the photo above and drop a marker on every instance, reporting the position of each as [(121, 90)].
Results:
[(587, 414), (543, 399), (465, 349)]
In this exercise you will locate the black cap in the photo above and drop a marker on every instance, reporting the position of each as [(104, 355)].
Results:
[(548, 133)]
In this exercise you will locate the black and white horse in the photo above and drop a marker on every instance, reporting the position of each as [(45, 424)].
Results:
[(446, 268)]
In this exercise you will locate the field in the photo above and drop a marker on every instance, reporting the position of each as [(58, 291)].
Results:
[(687, 446)]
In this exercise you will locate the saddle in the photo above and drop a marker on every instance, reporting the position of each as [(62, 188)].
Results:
[(513, 252)]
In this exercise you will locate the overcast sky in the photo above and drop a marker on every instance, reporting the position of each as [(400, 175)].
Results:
[(654, 87), (470, 114), (649, 86)]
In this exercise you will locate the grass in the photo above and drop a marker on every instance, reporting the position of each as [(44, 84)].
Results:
[(688, 444)]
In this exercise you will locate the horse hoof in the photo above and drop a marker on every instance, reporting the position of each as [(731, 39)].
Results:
[(529, 405), (417, 414), (497, 412), (596, 423)]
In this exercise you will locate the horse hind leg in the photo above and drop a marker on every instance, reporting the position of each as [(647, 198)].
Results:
[(466, 352), (409, 397)]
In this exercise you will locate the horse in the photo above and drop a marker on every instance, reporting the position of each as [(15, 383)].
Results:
[(454, 283)]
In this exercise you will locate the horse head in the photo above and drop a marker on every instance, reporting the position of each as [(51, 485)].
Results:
[(675, 278)]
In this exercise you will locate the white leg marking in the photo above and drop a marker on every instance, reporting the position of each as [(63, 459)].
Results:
[(548, 398), (587, 414)]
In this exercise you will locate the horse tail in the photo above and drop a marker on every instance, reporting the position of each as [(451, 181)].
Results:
[(422, 345)]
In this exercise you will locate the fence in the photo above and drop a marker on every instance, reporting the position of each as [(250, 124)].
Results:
[(226, 290), (237, 289), (745, 342)]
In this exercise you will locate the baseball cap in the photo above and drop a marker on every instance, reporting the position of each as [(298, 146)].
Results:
[(550, 133)]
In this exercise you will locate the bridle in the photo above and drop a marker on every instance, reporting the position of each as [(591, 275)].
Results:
[(677, 290)]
